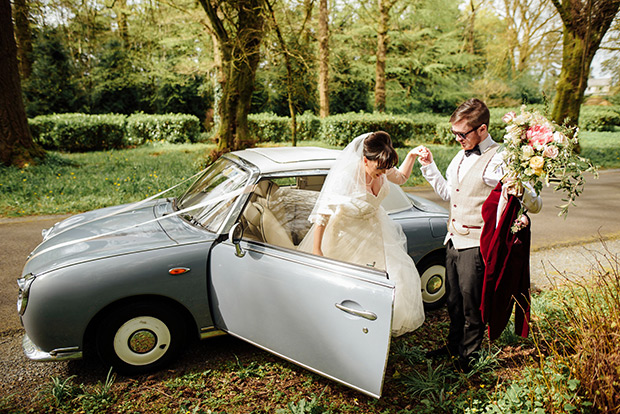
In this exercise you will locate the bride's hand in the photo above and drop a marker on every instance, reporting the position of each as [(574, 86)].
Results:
[(424, 154)]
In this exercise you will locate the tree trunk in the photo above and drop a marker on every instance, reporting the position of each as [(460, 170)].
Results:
[(471, 34), (323, 59), (573, 80), (16, 145), (238, 42), (121, 19), (382, 40), (289, 74), (23, 37), (585, 25)]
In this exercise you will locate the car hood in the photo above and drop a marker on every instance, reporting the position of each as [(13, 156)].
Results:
[(98, 234)]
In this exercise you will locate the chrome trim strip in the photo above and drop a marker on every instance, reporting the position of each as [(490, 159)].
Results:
[(210, 332), (67, 350), (298, 173), (34, 353), (309, 368)]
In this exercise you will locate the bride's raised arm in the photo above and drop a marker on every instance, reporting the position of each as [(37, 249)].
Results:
[(401, 174)]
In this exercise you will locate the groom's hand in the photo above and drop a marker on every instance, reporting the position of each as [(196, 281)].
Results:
[(424, 154)]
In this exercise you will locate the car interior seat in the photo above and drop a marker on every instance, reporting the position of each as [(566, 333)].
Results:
[(261, 223)]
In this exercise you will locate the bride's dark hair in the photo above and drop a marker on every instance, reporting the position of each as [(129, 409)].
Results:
[(378, 147)]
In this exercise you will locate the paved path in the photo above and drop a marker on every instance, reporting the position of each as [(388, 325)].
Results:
[(18, 237), (595, 215)]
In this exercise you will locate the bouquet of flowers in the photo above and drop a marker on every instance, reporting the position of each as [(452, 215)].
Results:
[(538, 152)]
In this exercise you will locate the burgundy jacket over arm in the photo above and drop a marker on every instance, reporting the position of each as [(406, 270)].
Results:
[(507, 267)]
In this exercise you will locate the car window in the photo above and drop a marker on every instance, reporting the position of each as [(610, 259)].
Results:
[(213, 194)]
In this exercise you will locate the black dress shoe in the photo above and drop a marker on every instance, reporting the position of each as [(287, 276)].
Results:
[(439, 352), (463, 365)]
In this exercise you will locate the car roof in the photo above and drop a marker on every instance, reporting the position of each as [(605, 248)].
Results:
[(280, 159)]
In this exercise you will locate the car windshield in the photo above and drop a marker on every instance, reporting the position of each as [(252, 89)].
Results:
[(213, 194)]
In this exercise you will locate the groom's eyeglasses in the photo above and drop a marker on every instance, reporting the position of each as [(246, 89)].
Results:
[(463, 135)]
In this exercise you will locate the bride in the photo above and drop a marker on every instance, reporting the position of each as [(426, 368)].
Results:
[(349, 223)]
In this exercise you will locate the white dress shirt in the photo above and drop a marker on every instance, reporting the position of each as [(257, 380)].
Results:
[(461, 164)]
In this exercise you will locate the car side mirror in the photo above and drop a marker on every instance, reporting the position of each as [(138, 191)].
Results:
[(234, 236)]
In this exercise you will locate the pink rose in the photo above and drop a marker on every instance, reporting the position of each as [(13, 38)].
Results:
[(539, 134), (509, 117), (550, 151)]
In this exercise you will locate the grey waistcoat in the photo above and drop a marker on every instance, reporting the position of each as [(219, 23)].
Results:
[(466, 199)]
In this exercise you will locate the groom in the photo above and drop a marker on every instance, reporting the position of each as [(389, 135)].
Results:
[(470, 177)]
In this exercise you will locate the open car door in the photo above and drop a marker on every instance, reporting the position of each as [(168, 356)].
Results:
[(330, 317)]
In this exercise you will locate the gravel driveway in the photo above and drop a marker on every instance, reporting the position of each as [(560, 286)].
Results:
[(557, 265)]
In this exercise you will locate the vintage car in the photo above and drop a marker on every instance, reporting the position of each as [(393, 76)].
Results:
[(134, 283)]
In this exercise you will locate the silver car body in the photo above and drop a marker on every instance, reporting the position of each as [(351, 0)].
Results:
[(331, 317)]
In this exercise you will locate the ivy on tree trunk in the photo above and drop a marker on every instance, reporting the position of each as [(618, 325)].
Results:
[(585, 25), (237, 27)]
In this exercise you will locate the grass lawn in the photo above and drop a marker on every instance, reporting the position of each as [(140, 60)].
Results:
[(71, 183)]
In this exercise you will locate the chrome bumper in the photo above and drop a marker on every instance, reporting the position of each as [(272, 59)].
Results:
[(61, 354)]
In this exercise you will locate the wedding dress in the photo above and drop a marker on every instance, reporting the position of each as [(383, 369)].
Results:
[(358, 230)]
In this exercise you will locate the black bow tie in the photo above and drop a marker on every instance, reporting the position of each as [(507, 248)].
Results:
[(474, 150)]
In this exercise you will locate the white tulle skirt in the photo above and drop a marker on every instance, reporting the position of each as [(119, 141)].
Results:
[(363, 234)]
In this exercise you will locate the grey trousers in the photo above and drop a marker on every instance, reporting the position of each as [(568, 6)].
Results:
[(464, 277)]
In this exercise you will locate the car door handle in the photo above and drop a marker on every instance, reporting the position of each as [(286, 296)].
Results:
[(362, 313)]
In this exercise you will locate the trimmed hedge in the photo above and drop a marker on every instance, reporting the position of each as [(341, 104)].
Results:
[(173, 128), (599, 118), (432, 128), (341, 129), (79, 132), (82, 132), (267, 127)]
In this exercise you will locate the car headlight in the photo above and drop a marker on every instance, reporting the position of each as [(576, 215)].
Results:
[(24, 284)]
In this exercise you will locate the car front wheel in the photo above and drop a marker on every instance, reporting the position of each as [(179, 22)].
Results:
[(433, 280), (140, 337)]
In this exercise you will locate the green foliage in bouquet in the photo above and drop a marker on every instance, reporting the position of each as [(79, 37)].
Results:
[(539, 152)]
